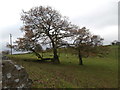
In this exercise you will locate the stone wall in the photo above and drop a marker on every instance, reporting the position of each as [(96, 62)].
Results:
[(14, 76)]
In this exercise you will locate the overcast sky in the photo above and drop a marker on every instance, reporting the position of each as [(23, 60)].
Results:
[(100, 16)]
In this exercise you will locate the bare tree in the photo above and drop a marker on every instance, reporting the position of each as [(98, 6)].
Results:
[(48, 26), (85, 42)]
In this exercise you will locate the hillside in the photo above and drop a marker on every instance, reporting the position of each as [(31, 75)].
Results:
[(95, 73)]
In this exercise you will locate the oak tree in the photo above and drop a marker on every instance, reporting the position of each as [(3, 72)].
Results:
[(84, 41), (47, 26)]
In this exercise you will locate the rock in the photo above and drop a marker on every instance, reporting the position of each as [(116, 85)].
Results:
[(14, 76), (5, 58)]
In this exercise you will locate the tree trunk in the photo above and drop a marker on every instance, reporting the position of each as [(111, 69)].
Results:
[(80, 58), (55, 58), (37, 54)]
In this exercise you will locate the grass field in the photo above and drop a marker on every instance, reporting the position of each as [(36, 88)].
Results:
[(95, 73)]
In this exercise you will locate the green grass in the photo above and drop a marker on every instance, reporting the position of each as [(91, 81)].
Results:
[(95, 73)]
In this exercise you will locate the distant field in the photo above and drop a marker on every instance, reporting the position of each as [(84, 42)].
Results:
[(95, 73)]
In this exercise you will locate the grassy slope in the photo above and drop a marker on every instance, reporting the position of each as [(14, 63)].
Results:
[(96, 72)]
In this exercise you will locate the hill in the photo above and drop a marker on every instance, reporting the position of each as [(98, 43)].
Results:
[(95, 73)]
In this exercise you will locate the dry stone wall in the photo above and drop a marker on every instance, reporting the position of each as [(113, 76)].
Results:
[(14, 76)]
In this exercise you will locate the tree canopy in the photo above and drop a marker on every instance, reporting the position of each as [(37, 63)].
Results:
[(45, 25), (84, 41)]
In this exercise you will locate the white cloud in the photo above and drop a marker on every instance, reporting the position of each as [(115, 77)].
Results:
[(100, 16), (109, 33)]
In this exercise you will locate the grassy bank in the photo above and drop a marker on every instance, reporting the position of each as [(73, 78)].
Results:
[(95, 73)]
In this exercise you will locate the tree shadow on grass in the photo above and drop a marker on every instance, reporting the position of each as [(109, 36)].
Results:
[(44, 60)]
